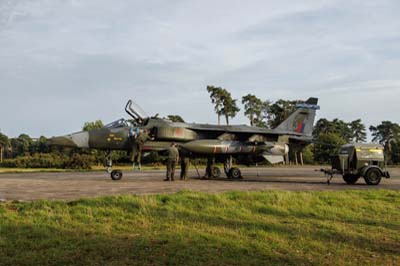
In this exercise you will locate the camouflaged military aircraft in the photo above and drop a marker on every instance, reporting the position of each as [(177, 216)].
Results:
[(200, 140)]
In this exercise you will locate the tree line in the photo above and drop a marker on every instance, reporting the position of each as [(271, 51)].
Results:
[(329, 135), (261, 113)]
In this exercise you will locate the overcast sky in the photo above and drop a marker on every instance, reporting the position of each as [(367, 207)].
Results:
[(66, 62)]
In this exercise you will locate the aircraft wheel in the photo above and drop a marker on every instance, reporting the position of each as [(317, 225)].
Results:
[(116, 175), (373, 177), (235, 173), (216, 172), (350, 179)]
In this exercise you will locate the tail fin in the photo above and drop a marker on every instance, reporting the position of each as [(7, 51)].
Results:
[(302, 120)]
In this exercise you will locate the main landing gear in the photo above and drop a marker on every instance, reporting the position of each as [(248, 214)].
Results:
[(115, 174), (231, 172), (215, 172)]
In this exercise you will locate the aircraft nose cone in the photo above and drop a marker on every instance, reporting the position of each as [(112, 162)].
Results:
[(75, 140)]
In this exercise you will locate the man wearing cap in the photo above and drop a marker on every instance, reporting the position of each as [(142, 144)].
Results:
[(173, 158)]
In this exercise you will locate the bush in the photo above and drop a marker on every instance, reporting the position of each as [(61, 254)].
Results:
[(37, 160), (50, 160), (80, 161), (308, 155), (327, 145)]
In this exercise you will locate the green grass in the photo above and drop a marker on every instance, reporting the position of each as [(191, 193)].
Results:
[(235, 228)]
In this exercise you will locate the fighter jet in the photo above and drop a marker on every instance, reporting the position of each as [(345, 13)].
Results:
[(199, 140)]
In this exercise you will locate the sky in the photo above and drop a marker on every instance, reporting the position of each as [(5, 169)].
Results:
[(65, 62)]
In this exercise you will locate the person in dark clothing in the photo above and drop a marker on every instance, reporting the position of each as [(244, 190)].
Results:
[(185, 164), (137, 147), (173, 158), (210, 163)]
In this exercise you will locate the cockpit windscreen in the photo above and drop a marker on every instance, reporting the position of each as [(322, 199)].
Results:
[(119, 123)]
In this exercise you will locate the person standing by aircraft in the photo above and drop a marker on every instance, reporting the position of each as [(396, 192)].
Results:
[(210, 163), (185, 164), (173, 158), (140, 138)]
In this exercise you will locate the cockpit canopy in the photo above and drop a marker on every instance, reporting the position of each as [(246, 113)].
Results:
[(139, 117), (136, 112)]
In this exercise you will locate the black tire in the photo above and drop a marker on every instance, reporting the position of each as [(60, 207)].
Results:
[(116, 175), (235, 173), (216, 172), (373, 177), (350, 179)]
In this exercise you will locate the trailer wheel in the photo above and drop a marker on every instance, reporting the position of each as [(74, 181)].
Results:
[(373, 177), (350, 179)]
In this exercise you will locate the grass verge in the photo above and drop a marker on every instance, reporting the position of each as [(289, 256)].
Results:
[(235, 228)]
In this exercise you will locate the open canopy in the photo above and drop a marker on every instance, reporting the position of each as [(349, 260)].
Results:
[(136, 112)]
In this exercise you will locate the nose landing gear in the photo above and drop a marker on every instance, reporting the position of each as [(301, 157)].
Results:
[(115, 174)]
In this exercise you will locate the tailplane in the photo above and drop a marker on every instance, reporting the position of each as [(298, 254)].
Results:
[(302, 120)]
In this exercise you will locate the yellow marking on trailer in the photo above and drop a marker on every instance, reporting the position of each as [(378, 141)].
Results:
[(376, 150)]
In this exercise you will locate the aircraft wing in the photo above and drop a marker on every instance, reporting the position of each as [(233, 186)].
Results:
[(298, 126), (243, 132), (230, 129)]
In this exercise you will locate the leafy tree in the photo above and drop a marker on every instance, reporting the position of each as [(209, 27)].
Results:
[(308, 154), (253, 107), (229, 109), (216, 99), (323, 126), (358, 131), (330, 135), (175, 118), (343, 129), (262, 119), (279, 111), (394, 152), (327, 144), (21, 145), (4, 141), (4, 144), (92, 125), (336, 126), (385, 132), (224, 104), (39, 146), (388, 134)]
